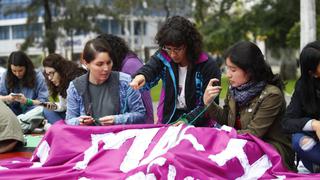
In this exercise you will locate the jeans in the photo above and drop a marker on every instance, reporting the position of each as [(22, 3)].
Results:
[(53, 116), (309, 157)]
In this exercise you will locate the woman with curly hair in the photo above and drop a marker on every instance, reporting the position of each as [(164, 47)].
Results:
[(124, 60), (58, 72), (21, 86), (183, 67)]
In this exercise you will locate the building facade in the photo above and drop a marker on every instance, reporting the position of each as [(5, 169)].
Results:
[(138, 31)]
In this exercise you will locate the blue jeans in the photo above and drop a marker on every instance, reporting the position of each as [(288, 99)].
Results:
[(53, 116), (308, 157)]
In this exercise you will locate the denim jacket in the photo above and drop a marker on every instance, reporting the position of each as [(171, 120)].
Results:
[(39, 92), (132, 110)]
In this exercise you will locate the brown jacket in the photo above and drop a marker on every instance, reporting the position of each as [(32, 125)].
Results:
[(261, 118)]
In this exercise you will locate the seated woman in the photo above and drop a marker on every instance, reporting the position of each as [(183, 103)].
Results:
[(255, 102), (21, 87), (303, 113), (59, 72), (124, 60), (11, 134), (102, 96), (182, 66)]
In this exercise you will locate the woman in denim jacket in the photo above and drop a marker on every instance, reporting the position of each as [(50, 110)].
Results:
[(21, 86), (102, 96)]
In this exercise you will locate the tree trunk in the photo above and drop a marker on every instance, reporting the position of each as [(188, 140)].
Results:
[(308, 22), (50, 36)]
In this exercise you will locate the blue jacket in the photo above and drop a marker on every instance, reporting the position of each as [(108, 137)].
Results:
[(39, 92), (132, 110)]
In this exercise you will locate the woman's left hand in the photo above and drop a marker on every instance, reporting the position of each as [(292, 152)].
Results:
[(107, 120)]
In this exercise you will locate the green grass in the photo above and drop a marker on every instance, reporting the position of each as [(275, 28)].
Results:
[(289, 86), (155, 91)]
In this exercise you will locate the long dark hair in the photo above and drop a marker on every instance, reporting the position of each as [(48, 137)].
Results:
[(247, 56), (177, 31), (119, 49), (67, 70), (19, 58), (309, 61)]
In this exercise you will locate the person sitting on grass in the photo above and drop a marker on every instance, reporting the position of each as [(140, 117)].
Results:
[(126, 61), (58, 72), (183, 67), (102, 96), (11, 135), (21, 86), (302, 118), (255, 101)]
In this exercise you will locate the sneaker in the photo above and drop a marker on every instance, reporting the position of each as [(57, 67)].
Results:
[(46, 126), (38, 131)]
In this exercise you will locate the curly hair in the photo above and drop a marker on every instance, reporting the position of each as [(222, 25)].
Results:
[(247, 56), (119, 49), (67, 70), (19, 58), (178, 31)]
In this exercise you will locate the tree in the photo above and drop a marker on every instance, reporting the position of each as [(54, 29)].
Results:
[(34, 10), (271, 18), (74, 22), (307, 22)]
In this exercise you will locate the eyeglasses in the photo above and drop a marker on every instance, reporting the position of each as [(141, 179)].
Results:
[(50, 74), (176, 50)]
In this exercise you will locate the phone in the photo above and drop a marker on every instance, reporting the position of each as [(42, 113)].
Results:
[(48, 105), (42, 104), (15, 94), (215, 84)]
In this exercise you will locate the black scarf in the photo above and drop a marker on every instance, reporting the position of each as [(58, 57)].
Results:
[(246, 92)]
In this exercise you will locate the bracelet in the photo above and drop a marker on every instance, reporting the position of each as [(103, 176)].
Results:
[(29, 102)]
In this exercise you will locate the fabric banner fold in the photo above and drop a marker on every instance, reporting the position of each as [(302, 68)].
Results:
[(148, 152)]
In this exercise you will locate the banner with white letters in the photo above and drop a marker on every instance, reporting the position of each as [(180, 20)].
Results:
[(148, 152)]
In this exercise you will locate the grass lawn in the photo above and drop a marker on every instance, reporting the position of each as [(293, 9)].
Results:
[(289, 86), (155, 92)]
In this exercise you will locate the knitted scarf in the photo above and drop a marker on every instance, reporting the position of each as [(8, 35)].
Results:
[(246, 92)]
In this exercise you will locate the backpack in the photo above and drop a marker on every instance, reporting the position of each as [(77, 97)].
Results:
[(31, 119)]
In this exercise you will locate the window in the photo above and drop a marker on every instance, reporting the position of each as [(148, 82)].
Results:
[(4, 32), (139, 28), (23, 31), (104, 25), (115, 27), (19, 32)]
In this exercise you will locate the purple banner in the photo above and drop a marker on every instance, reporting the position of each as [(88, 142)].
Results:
[(148, 152)]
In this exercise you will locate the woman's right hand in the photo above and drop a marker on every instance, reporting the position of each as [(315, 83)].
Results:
[(8, 98), (86, 120), (138, 82), (178, 123), (211, 92)]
